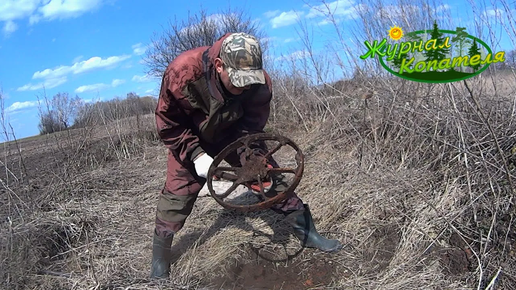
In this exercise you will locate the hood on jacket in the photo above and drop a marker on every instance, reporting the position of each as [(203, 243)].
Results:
[(214, 50)]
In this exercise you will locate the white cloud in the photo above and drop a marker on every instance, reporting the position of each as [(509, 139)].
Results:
[(37, 10), (141, 79), (93, 100), (77, 59), (360, 8), (287, 40), (270, 14), (94, 87), (324, 22), (47, 84), (269, 40), (151, 92), (80, 67), (493, 13), (337, 8), (10, 27), (16, 106), (139, 49), (443, 7), (299, 54), (286, 18), (17, 9), (394, 12), (117, 82), (34, 19), (99, 86), (61, 9)]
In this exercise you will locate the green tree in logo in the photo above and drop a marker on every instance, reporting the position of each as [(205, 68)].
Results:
[(474, 50), (461, 41), (439, 53)]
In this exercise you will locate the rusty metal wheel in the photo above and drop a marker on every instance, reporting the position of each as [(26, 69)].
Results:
[(256, 169)]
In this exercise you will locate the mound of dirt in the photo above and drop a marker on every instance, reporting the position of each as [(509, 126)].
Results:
[(305, 274)]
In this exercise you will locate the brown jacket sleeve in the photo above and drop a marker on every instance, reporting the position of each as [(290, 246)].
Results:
[(172, 113)]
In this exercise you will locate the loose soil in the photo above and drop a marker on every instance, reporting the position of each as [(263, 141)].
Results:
[(315, 273)]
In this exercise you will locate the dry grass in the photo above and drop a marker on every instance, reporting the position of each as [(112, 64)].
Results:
[(395, 193)]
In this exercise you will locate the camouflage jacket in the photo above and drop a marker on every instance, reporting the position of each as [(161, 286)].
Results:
[(193, 108)]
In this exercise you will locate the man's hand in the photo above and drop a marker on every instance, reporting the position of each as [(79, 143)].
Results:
[(202, 164)]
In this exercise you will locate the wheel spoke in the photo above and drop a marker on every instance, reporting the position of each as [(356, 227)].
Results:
[(228, 191), (273, 150), (233, 169), (228, 176), (277, 171), (220, 172)]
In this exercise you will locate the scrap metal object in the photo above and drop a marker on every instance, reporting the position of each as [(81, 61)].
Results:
[(256, 169)]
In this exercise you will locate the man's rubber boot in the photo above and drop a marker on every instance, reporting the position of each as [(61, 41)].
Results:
[(305, 231), (160, 267)]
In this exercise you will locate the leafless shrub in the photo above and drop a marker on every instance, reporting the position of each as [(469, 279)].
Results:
[(91, 114), (65, 108), (58, 113), (201, 29)]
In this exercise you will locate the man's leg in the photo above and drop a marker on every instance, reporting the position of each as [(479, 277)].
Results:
[(304, 228), (299, 216), (174, 206)]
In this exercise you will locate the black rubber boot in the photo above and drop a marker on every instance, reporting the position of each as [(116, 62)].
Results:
[(304, 230), (160, 267)]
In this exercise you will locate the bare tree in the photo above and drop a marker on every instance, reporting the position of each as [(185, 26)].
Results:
[(200, 29), (61, 111), (49, 123), (65, 108), (511, 59)]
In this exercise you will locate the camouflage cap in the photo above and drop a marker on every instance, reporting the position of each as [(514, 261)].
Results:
[(242, 55)]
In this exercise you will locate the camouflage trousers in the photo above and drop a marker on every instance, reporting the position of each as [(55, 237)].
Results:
[(180, 192)]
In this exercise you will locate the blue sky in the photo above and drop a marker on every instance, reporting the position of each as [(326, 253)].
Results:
[(94, 48)]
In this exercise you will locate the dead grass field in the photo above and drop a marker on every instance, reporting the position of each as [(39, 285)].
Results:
[(78, 207)]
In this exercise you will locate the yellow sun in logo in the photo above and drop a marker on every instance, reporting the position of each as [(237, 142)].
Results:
[(395, 33)]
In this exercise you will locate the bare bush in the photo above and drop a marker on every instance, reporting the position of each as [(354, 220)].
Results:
[(115, 109), (49, 123), (58, 113), (199, 30)]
